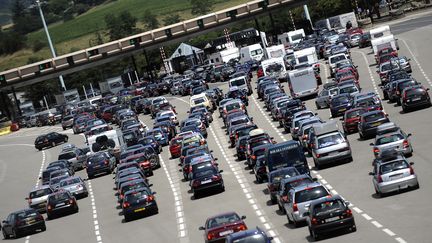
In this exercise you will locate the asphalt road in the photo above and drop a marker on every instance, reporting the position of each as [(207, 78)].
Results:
[(400, 217)]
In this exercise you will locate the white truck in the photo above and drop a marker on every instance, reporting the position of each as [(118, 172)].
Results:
[(275, 51), (302, 82), (253, 52), (27, 108), (71, 96), (275, 67), (224, 56), (111, 85)]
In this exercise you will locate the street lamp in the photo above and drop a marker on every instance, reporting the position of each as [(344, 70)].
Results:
[(49, 40)]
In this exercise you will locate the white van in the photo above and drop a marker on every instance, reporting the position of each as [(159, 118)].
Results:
[(274, 67), (302, 82), (380, 32), (296, 36), (252, 52), (383, 42), (240, 82), (275, 51)]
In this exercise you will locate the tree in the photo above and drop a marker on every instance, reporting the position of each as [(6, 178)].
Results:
[(172, 19), (201, 7), (150, 20), (17, 9), (120, 26)]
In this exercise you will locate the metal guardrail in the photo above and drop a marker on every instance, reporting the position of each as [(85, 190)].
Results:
[(138, 41)]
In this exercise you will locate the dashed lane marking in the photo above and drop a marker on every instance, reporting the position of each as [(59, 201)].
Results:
[(418, 63), (95, 216)]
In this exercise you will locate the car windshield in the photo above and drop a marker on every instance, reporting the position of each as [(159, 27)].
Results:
[(70, 182), (393, 166), (232, 106), (389, 139), (310, 194), (67, 156), (330, 140), (327, 207), (59, 197), (352, 114), (374, 117), (221, 220), (133, 186), (26, 214), (198, 101), (40, 193), (348, 90), (205, 172), (414, 91), (255, 238), (135, 196), (237, 82)]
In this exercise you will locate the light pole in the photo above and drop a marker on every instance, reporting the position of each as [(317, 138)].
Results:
[(49, 40)]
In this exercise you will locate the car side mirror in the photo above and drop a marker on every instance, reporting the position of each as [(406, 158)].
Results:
[(221, 171), (154, 193), (427, 89), (409, 135), (341, 119), (216, 159), (201, 228), (347, 203), (211, 151), (4, 222), (26, 198), (243, 217), (315, 179), (371, 174), (316, 113), (411, 163), (150, 185), (40, 178), (372, 144), (217, 164)]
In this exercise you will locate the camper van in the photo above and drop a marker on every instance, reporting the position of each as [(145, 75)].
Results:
[(250, 53), (309, 56), (274, 67), (296, 36), (384, 42), (380, 32), (302, 82), (224, 56), (275, 51)]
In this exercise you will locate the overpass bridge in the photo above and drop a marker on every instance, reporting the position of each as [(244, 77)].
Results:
[(108, 52)]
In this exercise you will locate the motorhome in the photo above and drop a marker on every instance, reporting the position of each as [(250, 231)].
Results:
[(224, 56), (307, 56), (302, 82), (111, 85), (274, 67), (251, 53), (380, 32), (296, 36), (275, 51), (71, 96), (383, 42)]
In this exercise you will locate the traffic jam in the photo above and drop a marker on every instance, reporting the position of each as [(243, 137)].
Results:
[(121, 145)]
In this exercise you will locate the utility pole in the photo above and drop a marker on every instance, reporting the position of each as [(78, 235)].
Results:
[(49, 41)]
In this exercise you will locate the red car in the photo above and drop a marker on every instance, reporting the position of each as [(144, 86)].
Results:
[(260, 72), (219, 226), (351, 119), (175, 147), (14, 127)]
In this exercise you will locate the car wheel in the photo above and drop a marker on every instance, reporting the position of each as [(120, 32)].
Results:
[(281, 209), (361, 136), (15, 234), (315, 236), (353, 228), (416, 186), (317, 106), (289, 220), (273, 199), (378, 193), (65, 139), (259, 179), (53, 144), (195, 195), (126, 218), (43, 228), (64, 128), (317, 165), (5, 236)]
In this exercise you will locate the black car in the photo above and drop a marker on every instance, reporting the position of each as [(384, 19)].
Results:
[(139, 201), (241, 147), (260, 169), (256, 152), (369, 123), (415, 96), (23, 221), (99, 163), (61, 202), (329, 214), (339, 104), (51, 139), (206, 178)]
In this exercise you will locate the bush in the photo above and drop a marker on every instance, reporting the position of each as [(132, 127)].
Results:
[(34, 59), (81, 8), (38, 45)]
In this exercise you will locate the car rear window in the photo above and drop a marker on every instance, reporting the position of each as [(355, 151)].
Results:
[(310, 194), (389, 139), (255, 238), (232, 106), (26, 214), (59, 197), (374, 117), (330, 140), (40, 193), (351, 114), (205, 172), (67, 156), (133, 186), (70, 182), (393, 166), (414, 91), (221, 220), (135, 196), (327, 207)]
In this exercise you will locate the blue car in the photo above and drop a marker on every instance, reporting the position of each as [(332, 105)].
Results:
[(151, 141), (251, 235), (339, 104), (159, 135)]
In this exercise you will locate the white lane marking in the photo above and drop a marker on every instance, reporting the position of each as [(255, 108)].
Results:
[(389, 232), (181, 225), (367, 217), (418, 63), (95, 221), (245, 184), (375, 86), (378, 225), (400, 240), (358, 210)]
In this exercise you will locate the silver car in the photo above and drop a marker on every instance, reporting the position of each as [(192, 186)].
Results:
[(67, 122), (329, 145), (74, 155), (55, 182), (355, 39), (38, 197), (297, 118), (299, 200), (323, 98), (75, 185), (392, 141), (393, 175)]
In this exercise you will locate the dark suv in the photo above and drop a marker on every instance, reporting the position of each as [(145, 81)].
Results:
[(415, 96)]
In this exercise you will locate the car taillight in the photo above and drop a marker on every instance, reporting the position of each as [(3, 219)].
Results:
[(121, 196), (405, 144), (348, 212), (318, 155), (216, 177), (376, 150), (285, 198), (49, 207), (211, 236), (126, 205), (253, 157), (241, 227), (411, 170), (305, 137), (380, 179), (314, 221), (29, 201), (150, 198), (295, 208), (196, 183), (106, 162), (71, 201)]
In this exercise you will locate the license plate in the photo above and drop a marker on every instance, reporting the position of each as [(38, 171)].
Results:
[(206, 181), (31, 221), (343, 109), (139, 210), (333, 153), (396, 177), (415, 99), (332, 219), (227, 232), (376, 124)]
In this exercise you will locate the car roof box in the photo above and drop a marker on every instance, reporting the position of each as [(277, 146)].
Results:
[(324, 128)]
